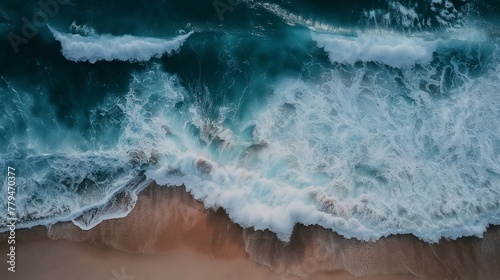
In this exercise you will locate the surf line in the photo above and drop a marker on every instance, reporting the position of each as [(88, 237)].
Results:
[(11, 217)]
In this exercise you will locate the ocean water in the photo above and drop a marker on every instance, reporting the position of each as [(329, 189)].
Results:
[(370, 118)]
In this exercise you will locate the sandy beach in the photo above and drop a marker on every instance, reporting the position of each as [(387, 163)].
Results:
[(170, 235)]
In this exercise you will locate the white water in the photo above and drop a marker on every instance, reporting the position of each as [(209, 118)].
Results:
[(364, 150), (358, 155), (393, 50), (107, 47)]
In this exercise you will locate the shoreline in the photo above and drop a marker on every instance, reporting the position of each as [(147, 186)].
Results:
[(168, 224)]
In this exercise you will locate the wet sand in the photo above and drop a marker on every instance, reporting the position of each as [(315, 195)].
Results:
[(68, 260), (46, 259), (169, 235)]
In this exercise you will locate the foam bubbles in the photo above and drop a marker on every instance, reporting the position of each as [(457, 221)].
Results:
[(363, 149), (368, 155), (93, 48), (395, 51)]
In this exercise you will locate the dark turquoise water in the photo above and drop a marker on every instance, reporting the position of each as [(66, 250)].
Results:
[(369, 117)]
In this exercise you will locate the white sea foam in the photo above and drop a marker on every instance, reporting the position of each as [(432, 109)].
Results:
[(393, 50), (297, 19), (73, 186), (376, 152), (358, 156), (65, 183), (83, 29), (433, 13), (107, 47), (349, 45)]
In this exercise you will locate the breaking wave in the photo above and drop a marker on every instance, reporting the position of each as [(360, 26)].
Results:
[(94, 48)]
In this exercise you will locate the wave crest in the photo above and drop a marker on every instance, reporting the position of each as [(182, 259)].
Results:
[(107, 47), (395, 51)]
